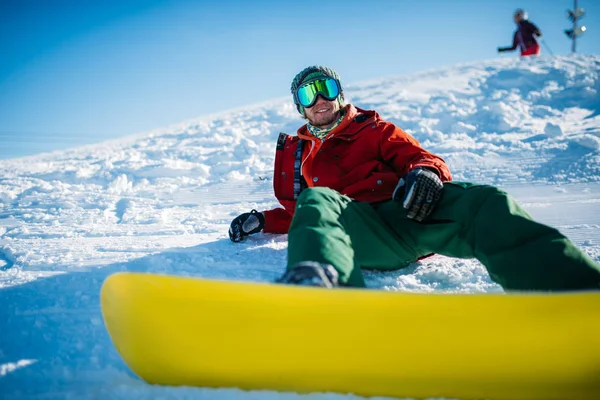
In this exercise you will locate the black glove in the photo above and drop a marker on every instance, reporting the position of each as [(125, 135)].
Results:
[(246, 224), (500, 49), (419, 191)]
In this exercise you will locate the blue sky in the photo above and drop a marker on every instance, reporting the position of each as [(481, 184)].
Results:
[(80, 71)]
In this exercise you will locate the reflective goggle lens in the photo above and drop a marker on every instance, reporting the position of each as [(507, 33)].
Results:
[(307, 94)]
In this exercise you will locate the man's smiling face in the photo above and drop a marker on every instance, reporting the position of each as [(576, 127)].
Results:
[(324, 113)]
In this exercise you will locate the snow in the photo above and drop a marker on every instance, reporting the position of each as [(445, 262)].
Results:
[(162, 202)]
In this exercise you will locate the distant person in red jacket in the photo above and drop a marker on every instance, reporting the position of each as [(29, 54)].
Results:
[(359, 192), (525, 36)]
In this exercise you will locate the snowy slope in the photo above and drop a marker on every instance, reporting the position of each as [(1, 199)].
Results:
[(162, 202)]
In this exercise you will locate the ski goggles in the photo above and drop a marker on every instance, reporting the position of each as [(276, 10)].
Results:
[(307, 94)]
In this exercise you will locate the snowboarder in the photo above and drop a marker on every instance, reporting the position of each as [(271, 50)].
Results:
[(525, 36), (357, 191)]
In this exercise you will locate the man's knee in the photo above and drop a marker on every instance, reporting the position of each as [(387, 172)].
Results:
[(319, 195), (498, 203), (320, 203)]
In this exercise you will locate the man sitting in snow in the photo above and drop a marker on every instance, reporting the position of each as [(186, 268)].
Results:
[(358, 191), (525, 36)]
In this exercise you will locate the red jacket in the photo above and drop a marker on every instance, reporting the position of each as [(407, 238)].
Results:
[(364, 157)]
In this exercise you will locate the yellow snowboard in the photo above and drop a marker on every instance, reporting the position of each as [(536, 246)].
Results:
[(185, 331)]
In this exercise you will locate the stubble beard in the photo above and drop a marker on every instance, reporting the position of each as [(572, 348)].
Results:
[(324, 121)]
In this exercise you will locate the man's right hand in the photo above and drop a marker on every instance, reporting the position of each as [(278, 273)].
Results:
[(419, 192), (246, 224)]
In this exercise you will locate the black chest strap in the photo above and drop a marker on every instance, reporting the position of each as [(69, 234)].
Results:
[(299, 182)]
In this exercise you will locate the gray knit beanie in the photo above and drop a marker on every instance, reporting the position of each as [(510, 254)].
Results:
[(313, 73)]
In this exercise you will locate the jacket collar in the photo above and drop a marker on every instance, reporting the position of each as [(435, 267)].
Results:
[(354, 120)]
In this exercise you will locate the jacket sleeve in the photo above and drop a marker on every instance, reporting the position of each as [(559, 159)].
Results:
[(514, 44), (404, 153), (278, 220), (534, 29)]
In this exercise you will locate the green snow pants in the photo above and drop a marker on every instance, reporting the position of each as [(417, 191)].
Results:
[(470, 221)]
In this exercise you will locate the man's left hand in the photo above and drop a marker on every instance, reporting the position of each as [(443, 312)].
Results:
[(419, 191), (246, 224)]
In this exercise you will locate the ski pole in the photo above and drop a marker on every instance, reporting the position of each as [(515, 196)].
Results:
[(547, 47)]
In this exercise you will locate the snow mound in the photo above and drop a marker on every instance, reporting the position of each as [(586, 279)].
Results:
[(162, 202)]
